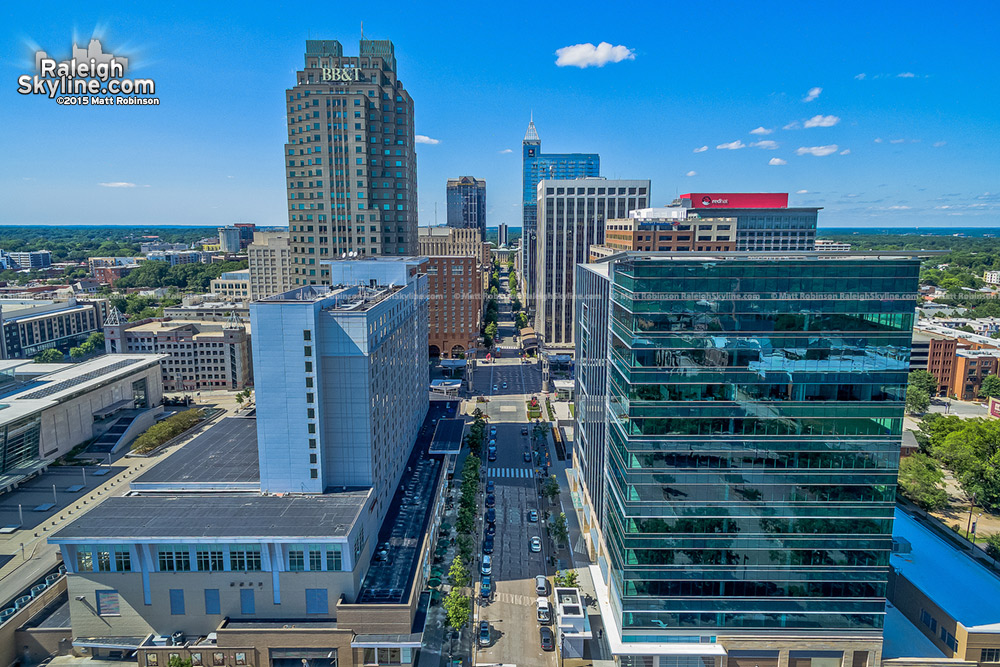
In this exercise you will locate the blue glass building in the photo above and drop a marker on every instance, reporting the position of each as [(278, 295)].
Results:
[(538, 166), (739, 419)]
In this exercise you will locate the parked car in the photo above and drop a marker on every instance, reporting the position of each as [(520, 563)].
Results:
[(524, 431), (504, 385), (488, 544), (491, 514), (527, 456), (491, 500), (535, 545), (486, 567), (541, 585), (533, 516), (491, 529), (493, 430), (492, 455), (490, 486), (548, 644), (484, 633), (543, 612), (486, 588)]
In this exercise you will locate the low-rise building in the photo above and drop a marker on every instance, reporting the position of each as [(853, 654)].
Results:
[(50, 408), (201, 307), (957, 359), (175, 257), (30, 326), (199, 355), (832, 246), (34, 259), (160, 246), (669, 230), (233, 285), (270, 264), (992, 277)]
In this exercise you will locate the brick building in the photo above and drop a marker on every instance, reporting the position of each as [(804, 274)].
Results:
[(455, 290)]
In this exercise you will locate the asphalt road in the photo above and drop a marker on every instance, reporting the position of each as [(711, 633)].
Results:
[(514, 630)]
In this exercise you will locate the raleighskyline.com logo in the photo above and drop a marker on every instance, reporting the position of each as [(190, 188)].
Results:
[(89, 77)]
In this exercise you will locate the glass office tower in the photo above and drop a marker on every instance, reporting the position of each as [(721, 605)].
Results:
[(536, 166), (754, 416)]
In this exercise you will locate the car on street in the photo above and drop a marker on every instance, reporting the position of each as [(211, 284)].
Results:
[(504, 385), (533, 516), (488, 544), (524, 431), (491, 514), (491, 529), (543, 612), (486, 567), (541, 585), (546, 637), (492, 456), (493, 430), (491, 500), (486, 587), (484, 633), (490, 486), (527, 456), (535, 545), (494, 387)]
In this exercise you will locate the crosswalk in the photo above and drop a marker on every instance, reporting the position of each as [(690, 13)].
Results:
[(509, 472), (511, 598)]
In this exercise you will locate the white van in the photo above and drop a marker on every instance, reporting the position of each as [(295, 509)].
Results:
[(543, 611)]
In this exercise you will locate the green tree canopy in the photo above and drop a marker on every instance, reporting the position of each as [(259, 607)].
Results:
[(921, 480), (973, 453), (917, 400), (457, 608), (50, 356), (458, 574), (990, 387), (923, 380)]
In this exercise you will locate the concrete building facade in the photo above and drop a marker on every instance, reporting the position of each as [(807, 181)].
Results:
[(669, 230), (233, 285), (31, 326), (198, 355), (453, 241), (270, 264), (466, 198), (571, 217), (229, 239), (350, 161)]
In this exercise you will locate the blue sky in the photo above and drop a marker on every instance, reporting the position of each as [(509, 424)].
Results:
[(916, 138)]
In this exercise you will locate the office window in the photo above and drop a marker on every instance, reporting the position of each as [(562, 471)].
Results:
[(245, 557), (990, 655), (316, 601), (928, 620), (296, 559), (247, 606), (174, 558), (84, 559), (176, 602), (315, 558), (309, 367), (209, 559), (334, 558), (123, 558), (306, 334), (307, 349), (212, 605), (103, 559), (313, 473), (107, 603)]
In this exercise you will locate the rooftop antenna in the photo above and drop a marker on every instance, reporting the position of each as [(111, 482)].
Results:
[(362, 31), (435, 214)]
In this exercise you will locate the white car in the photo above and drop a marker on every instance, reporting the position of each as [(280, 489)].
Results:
[(487, 565), (535, 545)]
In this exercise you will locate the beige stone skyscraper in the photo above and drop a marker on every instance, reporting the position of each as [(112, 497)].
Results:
[(350, 165)]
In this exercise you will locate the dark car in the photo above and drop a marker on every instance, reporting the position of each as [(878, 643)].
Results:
[(491, 500), (527, 457), (491, 529), (486, 587), (484, 633), (524, 431), (490, 486), (492, 455), (491, 514), (546, 635), (488, 545)]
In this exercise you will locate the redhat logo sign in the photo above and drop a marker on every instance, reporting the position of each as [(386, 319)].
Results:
[(706, 201)]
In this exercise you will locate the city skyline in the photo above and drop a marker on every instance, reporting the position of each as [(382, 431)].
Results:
[(915, 123)]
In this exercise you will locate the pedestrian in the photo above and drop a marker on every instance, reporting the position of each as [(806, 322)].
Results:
[(600, 633)]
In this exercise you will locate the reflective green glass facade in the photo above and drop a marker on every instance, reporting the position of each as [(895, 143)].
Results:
[(755, 408)]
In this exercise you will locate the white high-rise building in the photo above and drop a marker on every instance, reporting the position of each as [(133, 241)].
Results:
[(341, 378), (270, 262)]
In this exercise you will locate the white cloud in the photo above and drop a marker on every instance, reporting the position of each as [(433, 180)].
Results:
[(939, 144), (898, 208), (801, 192), (732, 145), (846, 151), (691, 173), (505, 151), (818, 151), (813, 94), (906, 75), (878, 140), (761, 130), (117, 184), (701, 150), (794, 125), (776, 162), (822, 121), (766, 144), (588, 55), (424, 139), (896, 141), (860, 77)]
